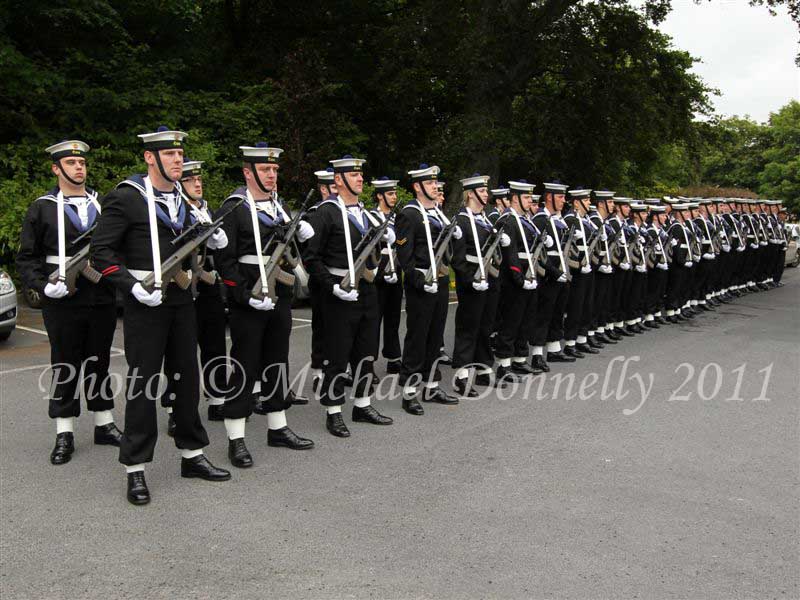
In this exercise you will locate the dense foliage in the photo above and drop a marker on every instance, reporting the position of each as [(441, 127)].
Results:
[(585, 91)]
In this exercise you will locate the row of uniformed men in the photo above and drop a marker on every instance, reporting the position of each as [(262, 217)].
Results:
[(583, 274)]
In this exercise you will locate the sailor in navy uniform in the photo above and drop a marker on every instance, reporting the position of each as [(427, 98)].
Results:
[(681, 264), (604, 261), (658, 274), (621, 259), (80, 327), (350, 316), (474, 314), (208, 305), (518, 282), (600, 277), (638, 278), (444, 358), (500, 197), (140, 219), (326, 188), (260, 328), (581, 288), (388, 279), (781, 241), (553, 289), (418, 226), (501, 201)]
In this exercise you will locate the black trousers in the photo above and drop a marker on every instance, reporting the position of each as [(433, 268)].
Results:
[(604, 285), (426, 316), (517, 306), (633, 295), (780, 263), (210, 313), (317, 325), (390, 301), (259, 352), (351, 337), (588, 316), (656, 288), (549, 318), (163, 335), (676, 282), (620, 285), (474, 318), (79, 337), (576, 303)]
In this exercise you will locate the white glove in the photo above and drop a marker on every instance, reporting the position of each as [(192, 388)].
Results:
[(432, 288), (641, 269), (562, 279), (390, 278), (708, 256), (457, 233), (548, 241), (388, 236), (606, 269), (505, 241), (578, 235), (688, 264), (753, 246), (586, 269), (673, 242), (218, 240), (351, 296), (726, 248), (603, 237), (531, 284), (265, 304), (56, 290), (625, 266), (142, 296), (304, 231), (663, 266), (480, 286)]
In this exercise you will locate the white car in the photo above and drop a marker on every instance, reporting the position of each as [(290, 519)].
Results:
[(8, 306), (792, 250)]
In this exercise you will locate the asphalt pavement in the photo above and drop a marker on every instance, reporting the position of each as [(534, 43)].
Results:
[(664, 467)]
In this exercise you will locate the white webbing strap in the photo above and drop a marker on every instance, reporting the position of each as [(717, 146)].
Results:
[(257, 236), (524, 241), (347, 241), (477, 244), (558, 243), (62, 243), (154, 245)]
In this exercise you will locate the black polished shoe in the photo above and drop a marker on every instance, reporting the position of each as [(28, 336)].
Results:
[(368, 414), (412, 406), (216, 412), (603, 338), (335, 424), (779, 284), (638, 328), (138, 493), (762, 286), (238, 454), (625, 331), (288, 438), (107, 435), (296, 399), (200, 467), (518, 368), (393, 366), (586, 348), (559, 357), (438, 396), (508, 375), (652, 324), (706, 307), (661, 320), (539, 364), (613, 335), (674, 319), (594, 343), (444, 359), (170, 425), (489, 380), (460, 387), (573, 352), (62, 451)]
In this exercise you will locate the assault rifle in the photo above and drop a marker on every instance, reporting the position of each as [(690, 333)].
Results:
[(77, 264), (365, 251)]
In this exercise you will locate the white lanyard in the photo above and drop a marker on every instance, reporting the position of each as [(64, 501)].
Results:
[(428, 238), (257, 236), (583, 236), (154, 246), (477, 244), (388, 245), (524, 241), (347, 241)]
